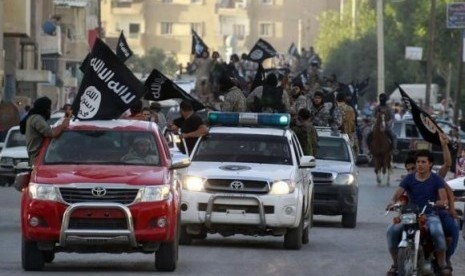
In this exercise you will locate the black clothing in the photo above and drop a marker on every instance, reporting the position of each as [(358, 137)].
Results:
[(186, 126)]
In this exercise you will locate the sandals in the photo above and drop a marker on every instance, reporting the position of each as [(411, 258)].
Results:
[(392, 271), (446, 271)]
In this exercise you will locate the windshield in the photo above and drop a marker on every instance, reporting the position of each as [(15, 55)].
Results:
[(16, 139), (332, 149), (103, 147), (247, 148)]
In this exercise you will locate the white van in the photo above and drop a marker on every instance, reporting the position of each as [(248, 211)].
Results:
[(417, 92)]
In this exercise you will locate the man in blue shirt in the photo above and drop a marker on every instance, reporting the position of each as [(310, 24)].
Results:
[(421, 186)]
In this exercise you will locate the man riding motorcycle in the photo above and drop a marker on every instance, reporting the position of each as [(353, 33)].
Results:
[(422, 186)]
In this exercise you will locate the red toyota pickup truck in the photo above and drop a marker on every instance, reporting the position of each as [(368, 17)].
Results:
[(102, 186)]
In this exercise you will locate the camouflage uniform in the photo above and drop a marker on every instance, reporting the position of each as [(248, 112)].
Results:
[(348, 124), (299, 103), (234, 101), (307, 135), (321, 114), (336, 118)]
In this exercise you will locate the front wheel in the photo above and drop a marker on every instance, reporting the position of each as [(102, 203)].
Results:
[(293, 237), (405, 260), (349, 220), (32, 259)]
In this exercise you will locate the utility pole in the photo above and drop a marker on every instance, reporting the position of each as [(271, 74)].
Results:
[(380, 45), (429, 57), (459, 84)]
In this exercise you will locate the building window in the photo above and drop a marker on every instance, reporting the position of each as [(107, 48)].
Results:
[(266, 29), (122, 3), (267, 2), (134, 29), (239, 31), (198, 28), (198, 2), (167, 1), (166, 28)]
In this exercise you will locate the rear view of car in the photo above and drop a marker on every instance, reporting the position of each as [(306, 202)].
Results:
[(101, 187), (13, 152)]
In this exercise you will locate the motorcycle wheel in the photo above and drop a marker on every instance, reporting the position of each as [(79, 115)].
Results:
[(405, 256)]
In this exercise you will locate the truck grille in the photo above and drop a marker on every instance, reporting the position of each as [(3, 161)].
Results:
[(322, 178), (100, 224), (75, 195), (237, 186), (249, 209)]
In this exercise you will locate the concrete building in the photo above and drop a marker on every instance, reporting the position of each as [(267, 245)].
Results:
[(226, 26), (42, 43)]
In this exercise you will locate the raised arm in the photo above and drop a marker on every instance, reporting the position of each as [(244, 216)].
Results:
[(446, 155)]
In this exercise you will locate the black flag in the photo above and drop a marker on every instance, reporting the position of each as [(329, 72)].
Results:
[(293, 50), (426, 125), (85, 64), (108, 88), (261, 51), (122, 48), (198, 46), (302, 77), (161, 88), (259, 77)]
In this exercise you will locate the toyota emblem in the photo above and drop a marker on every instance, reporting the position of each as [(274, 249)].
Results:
[(99, 191), (237, 185)]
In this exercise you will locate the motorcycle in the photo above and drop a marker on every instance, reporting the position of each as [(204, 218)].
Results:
[(415, 255)]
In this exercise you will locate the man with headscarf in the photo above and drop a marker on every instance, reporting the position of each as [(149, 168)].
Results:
[(268, 97), (36, 127), (234, 99), (141, 152), (320, 110)]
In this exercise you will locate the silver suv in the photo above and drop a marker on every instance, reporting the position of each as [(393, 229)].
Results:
[(335, 177)]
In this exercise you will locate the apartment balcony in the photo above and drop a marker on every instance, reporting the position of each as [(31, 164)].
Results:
[(237, 9), (51, 44), (127, 7), (34, 75)]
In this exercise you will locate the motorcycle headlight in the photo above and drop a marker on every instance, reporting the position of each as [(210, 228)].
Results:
[(43, 192), (153, 193), (344, 179), (282, 187), (408, 218), (193, 183)]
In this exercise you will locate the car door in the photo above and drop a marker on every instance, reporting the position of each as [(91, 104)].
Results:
[(302, 173)]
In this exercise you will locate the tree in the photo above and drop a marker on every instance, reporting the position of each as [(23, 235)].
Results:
[(405, 24), (154, 58)]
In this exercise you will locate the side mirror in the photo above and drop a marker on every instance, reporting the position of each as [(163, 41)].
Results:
[(22, 180), (307, 161), (362, 159), (180, 163)]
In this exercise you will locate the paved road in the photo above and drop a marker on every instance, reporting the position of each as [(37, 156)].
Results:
[(332, 250)]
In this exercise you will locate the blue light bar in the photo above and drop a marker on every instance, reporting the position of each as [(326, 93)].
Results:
[(281, 120)]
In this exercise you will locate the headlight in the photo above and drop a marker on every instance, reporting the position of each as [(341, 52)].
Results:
[(43, 192), (7, 161), (344, 179), (153, 193), (408, 218), (282, 187), (193, 183)]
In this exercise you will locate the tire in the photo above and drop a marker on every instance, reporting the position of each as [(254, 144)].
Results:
[(166, 257), (349, 220), (49, 256), (32, 259), (294, 236), (405, 257), (306, 231), (185, 238)]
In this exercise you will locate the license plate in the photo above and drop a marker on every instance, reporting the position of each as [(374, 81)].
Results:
[(98, 213)]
